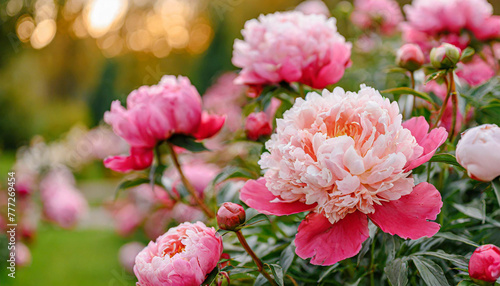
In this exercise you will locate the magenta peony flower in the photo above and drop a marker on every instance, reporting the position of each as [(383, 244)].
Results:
[(476, 152), (291, 47), (184, 255), (257, 125), (484, 264), (62, 202), (372, 14), (477, 71), (230, 216), (155, 113), (309, 7), (345, 156), (127, 254)]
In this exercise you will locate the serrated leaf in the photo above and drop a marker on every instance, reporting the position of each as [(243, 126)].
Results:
[(277, 273), (187, 142), (496, 188), (430, 272), (129, 184), (448, 159), (211, 277), (407, 90), (397, 272), (458, 260), (287, 256), (452, 236)]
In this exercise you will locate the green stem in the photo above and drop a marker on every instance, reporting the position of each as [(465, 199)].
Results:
[(454, 101), (372, 261), (301, 90), (412, 79), (189, 187), (445, 103), (258, 262)]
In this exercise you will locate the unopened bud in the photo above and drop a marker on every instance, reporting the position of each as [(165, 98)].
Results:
[(484, 264), (410, 57), (445, 56), (230, 216), (257, 125)]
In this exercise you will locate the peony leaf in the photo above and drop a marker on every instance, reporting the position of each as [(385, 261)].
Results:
[(448, 159), (467, 54), (429, 271), (496, 188), (211, 277), (256, 219), (397, 272), (407, 90), (287, 256), (452, 236), (187, 142), (129, 184), (277, 273), (458, 260)]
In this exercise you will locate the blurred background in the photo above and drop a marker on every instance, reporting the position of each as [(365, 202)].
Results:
[(62, 62)]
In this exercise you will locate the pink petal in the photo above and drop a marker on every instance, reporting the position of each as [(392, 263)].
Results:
[(209, 125), (329, 243), (256, 195), (419, 127), (139, 159), (407, 217)]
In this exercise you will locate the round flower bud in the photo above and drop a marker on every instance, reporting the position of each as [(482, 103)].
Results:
[(445, 56), (257, 125), (476, 152), (410, 57), (484, 264), (230, 216)]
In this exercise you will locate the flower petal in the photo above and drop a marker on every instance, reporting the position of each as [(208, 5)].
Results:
[(209, 125), (256, 195), (419, 127), (329, 243), (407, 217), (139, 159)]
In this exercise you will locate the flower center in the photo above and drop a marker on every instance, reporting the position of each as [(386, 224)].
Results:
[(174, 248)]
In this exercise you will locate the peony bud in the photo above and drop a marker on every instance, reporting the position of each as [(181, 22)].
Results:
[(476, 152), (484, 264), (410, 57), (257, 125), (230, 216), (445, 56)]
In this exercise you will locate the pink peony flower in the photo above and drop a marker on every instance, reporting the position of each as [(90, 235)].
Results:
[(372, 14), (477, 71), (199, 173), (475, 152), (291, 47), (313, 7), (410, 57), (62, 202), (230, 216), (127, 218), (127, 254), (257, 125), (23, 255), (184, 255), (447, 120), (155, 113), (484, 264), (345, 156)]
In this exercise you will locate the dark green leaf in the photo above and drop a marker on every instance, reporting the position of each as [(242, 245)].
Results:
[(211, 277), (452, 236), (277, 273), (256, 219), (446, 158), (287, 256), (327, 272), (430, 272), (129, 184), (496, 188), (187, 142), (407, 90), (231, 173), (397, 272)]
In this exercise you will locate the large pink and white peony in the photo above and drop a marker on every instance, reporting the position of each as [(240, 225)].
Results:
[(345, 156), (184, 255), (291, 47), (155, 113)]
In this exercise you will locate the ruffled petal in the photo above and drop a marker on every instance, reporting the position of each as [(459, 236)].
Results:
[(419, 128), (256, 195), (139, 159), (329, 243), (209, 126), (407, 217)]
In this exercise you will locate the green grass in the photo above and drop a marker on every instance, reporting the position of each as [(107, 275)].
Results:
[(72, 258)]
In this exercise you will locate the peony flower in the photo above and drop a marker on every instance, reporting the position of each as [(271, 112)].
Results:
[(313, 7), (184, 255), (291, 47), (62, 202), (230, 216), (127, 217), (484, 264), (477, 71), (199, 173), (257, 125), (346, 156), (127, 254), (372, 14), (155, 113), (410, 57), (476, 152)]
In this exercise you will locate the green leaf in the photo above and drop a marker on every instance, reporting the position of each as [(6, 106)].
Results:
[(211, 277), (256, 219), (396, 70), (232, 172), (429, 271), (407, 90), (261, 280), (436, 75), (277, 273), (287, 256), (129, 184), (327, 272), (470, 211), (452, 236), (187, 142), (397, 272), (467, 54), (458, 260), (496, 188), (448, 159)]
